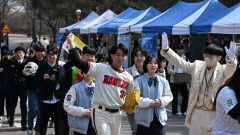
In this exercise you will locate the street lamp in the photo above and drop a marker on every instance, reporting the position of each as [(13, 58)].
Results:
[(78, 12)]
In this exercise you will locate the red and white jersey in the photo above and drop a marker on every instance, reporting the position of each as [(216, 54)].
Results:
[(111, 85)]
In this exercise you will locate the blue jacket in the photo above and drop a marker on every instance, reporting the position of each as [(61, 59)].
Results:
[(162, 93), (77, 101)]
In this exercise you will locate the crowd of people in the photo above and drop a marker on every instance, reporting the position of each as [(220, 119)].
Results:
[(85, 95)]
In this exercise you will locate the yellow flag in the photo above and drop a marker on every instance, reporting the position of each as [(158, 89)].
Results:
[(78, 41)]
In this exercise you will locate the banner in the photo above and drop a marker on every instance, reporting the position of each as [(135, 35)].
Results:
[(149, 43), (59, 36), (77, 41), (125, 39)]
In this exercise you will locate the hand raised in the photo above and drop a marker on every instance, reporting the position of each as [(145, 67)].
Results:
[(164, 41), (232, 50)]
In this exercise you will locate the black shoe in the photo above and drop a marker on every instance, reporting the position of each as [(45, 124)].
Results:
[(24, 128), (11, 122), (175, 114)]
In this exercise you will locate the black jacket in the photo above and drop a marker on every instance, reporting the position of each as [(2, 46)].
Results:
[(48, 87), (31, 82), (4, 76), (16, 77)]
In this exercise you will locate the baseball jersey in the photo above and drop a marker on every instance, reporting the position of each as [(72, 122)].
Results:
[(224, 124), (111, 85)]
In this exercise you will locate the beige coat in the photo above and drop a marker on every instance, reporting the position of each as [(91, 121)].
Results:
[(196, 70)]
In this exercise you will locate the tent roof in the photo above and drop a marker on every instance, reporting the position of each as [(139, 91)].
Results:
[(227, 22), (107, 15), (165, 21), (74, 27), (120, 24)]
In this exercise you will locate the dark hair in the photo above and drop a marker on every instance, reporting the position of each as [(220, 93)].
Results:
[(214, 50), (142, 50), (4, 50), (180, 46), (39, 48), (149, 59), (53, 49), (216, 42), (89, 50), (233, 83), (119, 46), (104, 59), (19, 48)]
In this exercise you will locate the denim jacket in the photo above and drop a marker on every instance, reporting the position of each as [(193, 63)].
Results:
[(76, 104), (162, 93)]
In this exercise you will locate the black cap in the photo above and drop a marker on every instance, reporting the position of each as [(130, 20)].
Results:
[(19, 48), (5, 50)]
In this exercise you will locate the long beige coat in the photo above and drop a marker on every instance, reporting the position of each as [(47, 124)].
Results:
[(196, 70)]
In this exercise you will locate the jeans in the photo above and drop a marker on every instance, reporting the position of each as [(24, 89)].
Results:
[(132, 122), (34, 111)]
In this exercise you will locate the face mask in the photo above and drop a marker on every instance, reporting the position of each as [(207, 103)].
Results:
[(210, 62)]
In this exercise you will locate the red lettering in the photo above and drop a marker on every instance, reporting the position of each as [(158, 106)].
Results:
[(111, 80), (122, 94), (106, 77), (115, 82)]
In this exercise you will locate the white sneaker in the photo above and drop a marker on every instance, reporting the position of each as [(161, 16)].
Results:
[(29, 132), (1, 121)]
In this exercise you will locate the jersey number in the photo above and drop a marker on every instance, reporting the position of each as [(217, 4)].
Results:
[(122, 93)]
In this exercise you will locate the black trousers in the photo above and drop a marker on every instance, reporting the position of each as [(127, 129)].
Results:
[(47, 111), (4, 98), (90, 131), (22, 94), (156, 128), (175, 88), (62, 120)]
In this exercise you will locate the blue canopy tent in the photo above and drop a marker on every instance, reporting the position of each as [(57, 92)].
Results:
[(208, 10), (75, 28), (227, 22), (111, 27), (149, 13), (121, 23), (107, 15), (166, 21)]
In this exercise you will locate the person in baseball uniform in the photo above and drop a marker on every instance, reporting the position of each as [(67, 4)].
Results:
[(112, 85)]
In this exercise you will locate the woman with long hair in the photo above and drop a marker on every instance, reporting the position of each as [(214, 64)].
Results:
[(227, 105)]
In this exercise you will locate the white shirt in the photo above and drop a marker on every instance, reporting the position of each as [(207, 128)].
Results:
[(224, 124), (111, 86)]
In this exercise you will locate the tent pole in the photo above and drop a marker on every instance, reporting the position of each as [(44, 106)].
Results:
[(234, 37), (130, 50), (89, 38)]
